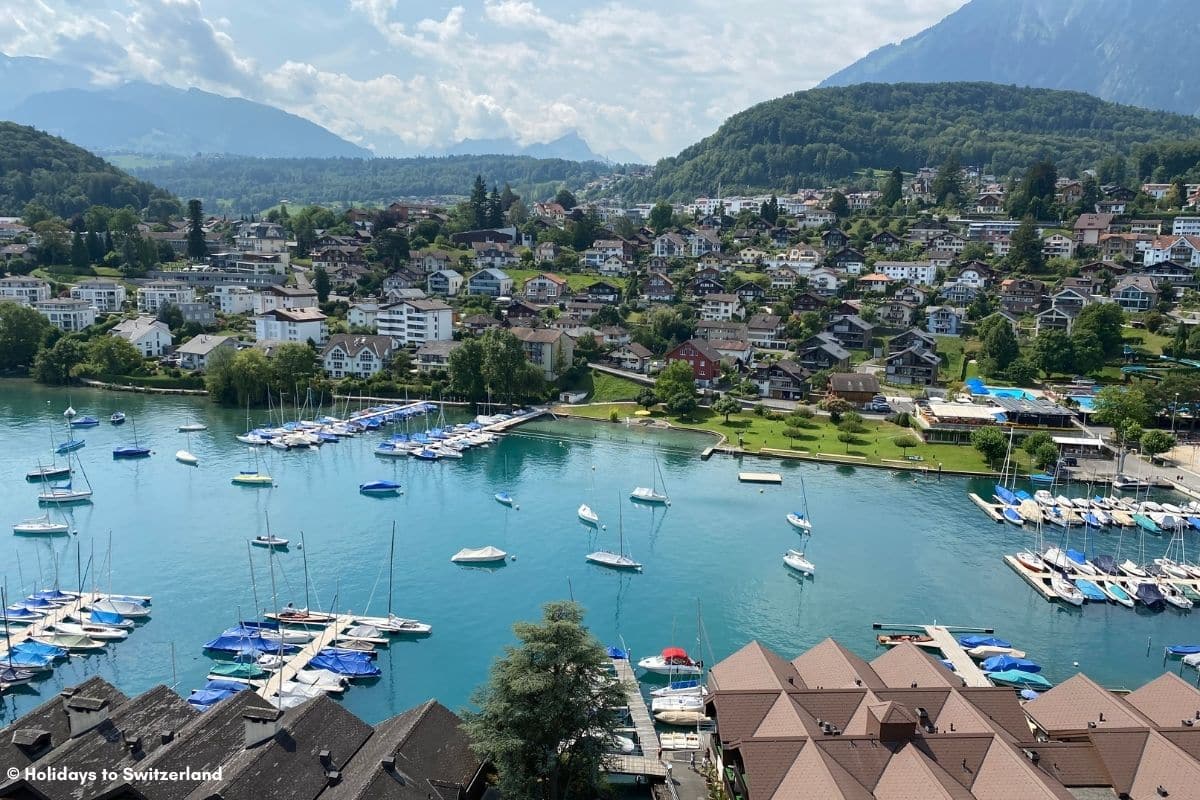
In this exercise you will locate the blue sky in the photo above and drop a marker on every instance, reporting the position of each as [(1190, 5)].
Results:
[(401, 76)]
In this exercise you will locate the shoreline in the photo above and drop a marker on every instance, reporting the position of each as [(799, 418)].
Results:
[(769, 452)]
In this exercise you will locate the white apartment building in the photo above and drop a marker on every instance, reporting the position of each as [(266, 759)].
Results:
[(105, 295), (720, 307), (25, 291), (151, 337), (291, 325), (416, 322), (67, 314), (920, 273), (1186, 226), (152, 296), (233, 299), (273, 297)]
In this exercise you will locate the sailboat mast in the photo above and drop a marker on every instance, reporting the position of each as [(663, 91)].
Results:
[(305, 559), (4, 605), (391, 564), (253, 586)]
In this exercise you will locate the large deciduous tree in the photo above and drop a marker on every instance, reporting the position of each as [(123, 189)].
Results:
[(990, 442), (22, 332)]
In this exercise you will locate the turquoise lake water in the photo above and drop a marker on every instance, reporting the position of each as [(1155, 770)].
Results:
[(889, 547)]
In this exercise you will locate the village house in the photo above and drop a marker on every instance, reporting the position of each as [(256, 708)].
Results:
[(782, 380), (824, 282), (834, 239), (975, 274), (153, 295), (490, 283), (950, 242), (355, 355), (1183, 250), (601, 292), (260, 237), (851, 331), (1020, 295), (766, 331), (895, 314), (944, 320), (338, 257), (67, 314), (232, 299), (750, 293), (151, 337), (614, 267), (1058, 245), (1088, 228), (913, 337), (364, 314), (414, 322), (733, 351), (913, 366), (444, 282), (435, 355), (291, 325), (670, 245), (658, 288), (807, 301), (195, 352), (702, 242), (856, 388), (784, 278), (957, 294), (490, 255), (721, 329), (848, 260), (887, 242), (551, 351), (921, 273), (476, 324), (106, 295), (402, 279), (1135, 293), (702, 357), (546, 252), (874, 283), (519, 312), (273, 297), (720, 306), (425, 262), (1180, 277), (631, 357), (822, 352), (545, 288)]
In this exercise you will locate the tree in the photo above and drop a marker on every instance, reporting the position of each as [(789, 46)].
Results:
[(478, 204), (466, 371), (170, 314), (847, 438), (1035, 440), (1105, 320), (839, 205), (660, 216), (294, 365), (79, 253), (197, 246), (726, 405), (893, 189), (990, 442), (1053, 352), (676, 386), (56, 365), (948, 180), (1154, 442), (998, 345), (22, 333), (1045, 455), (495, 209), (507, 197), (109, 356), (1087, 351), (547, 712), (1124, 409), (906, 440), (1022, 371), (769, 210), (587, 350), (321, 284), (508, 375), (852, 421), (1025, 247), (647, 398)]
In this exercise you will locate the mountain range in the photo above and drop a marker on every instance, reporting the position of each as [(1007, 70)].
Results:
[(1127, 51)]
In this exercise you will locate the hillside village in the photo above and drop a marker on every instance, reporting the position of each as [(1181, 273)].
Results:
[(855, 295)]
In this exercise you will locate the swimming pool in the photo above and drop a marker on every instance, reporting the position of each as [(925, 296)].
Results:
[(1086, 402), (1008, 391)]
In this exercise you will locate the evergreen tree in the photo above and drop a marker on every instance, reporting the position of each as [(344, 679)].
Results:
[(565, 199), (1025, 247), (770, 210), (948, 181), (197, 247), (79, 253), (321, 284), (495, 209), (479, 203), (108, 242), (660, 216), (893, 189), (507, 197), (95, 246), (839, 205)]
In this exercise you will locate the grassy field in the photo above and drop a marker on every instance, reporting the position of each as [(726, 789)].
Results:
[(611, 388), (575, 280), (1141, 338), (875, 445), (953, 348)]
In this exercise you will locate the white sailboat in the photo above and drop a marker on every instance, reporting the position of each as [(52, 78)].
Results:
[(41, 525), (650, 494), (800, 521), (795, 559), (619, 559), (185, 456), (64, 493), (391, 623), (587, 515)]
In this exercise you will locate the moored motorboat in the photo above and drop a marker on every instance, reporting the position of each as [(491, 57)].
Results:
[(679, 702), (684, 719), (269, 541), (1148, 595), (86, 421), (117, 418), (893, 639), (1173, 596), (587, 515), (680, 688), (479, 555), (69, 641), (795, 559), (671, 661), (97, 632), (380, 488)]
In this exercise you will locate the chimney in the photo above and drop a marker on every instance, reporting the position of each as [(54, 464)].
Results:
[(85, 713), (133, 742), (260, 724), (388, 763)]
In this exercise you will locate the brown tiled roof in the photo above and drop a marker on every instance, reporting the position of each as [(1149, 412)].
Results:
[(863, 757), (831, 666), (906, 664), (768, 761), (961, 755), (754, 667), (1001, 707), (910, 775), (1186, 739), (1120, 751), (853, 382), (836, 706), (1079, 702), (1165, 765), (1070, 763), (1006, 774), (1167, 700), (742, 712), (785, 718)]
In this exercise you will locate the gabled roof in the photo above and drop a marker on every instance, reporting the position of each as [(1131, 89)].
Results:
[(1077, 704), (906, 664), (853, 382), (1167, 700), (829, 665), (354, 343), (754, 667), (203, 344), (51, 718)]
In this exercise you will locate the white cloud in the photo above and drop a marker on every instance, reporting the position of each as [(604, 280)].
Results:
[(653, 77)]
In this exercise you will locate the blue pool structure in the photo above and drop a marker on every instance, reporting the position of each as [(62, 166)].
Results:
[(1086, 402), (976, 386)]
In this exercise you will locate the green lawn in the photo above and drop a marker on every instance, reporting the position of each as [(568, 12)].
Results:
[(1141, 338), (876, 445), (611, 388), (575, 280), (954, 349)]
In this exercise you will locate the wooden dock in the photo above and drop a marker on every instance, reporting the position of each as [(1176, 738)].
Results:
[(964, 666), (326, 637), (991, 509), (504, 425), (18, 633), (1040, 581), (647, 763), (760, 477)]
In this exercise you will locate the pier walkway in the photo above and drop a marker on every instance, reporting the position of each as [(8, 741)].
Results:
[(964, 666), (327, 636), (45, 626), (648, 763)]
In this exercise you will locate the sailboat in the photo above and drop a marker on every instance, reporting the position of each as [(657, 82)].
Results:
[(795, 559), (587, 515), (41, 525), (650, 494), (801, 521), (617, 560), (63, 493), (185, 456), (192, 427), (253, 477), (391, 623), (71, 443), (134, 450), (270, 540)]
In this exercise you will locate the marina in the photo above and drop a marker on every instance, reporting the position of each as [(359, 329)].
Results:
[(886, 545)]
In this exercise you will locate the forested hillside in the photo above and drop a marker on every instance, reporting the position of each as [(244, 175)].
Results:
[(812, 137), (36, 167), (245, 185)]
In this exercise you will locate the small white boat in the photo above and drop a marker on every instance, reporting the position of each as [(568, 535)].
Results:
[(42, 524), (69, 641), (184, 457), (799, 522), (1064, 501), (1171, 508), (672, 661), (677, 703), (98, 632), (680, 688), (1173, 596), (479, 555), (126, 608), (396, 625), (1132, 570), (587, 515), (327, 681), (795, 560), (1150, 505), (988, 650), (1116, 592), (1081, 503), (270, 541), (1044, 498), (685, 719), (622, 743), (607, 558), (1065, 590), (1172, 569), (645, 494), (1031, 560), (192, 427), (61, 495)]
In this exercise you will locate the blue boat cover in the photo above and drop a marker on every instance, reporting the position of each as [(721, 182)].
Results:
[(1023, 495), (616, 652), (948, 664), (977, 640), (223, 685), (1076, 556), (241, 641), (106, 617), (53, 594), (683, 684), (37, 602), (1183, 649), (204, 699), (1106, 564), (344, 664), (38, 649), (1194, 522), (1006, 496), (20, 613), (1015, 677), (378, 486), (1090, 590), (1029, 694), (1002, 663)]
